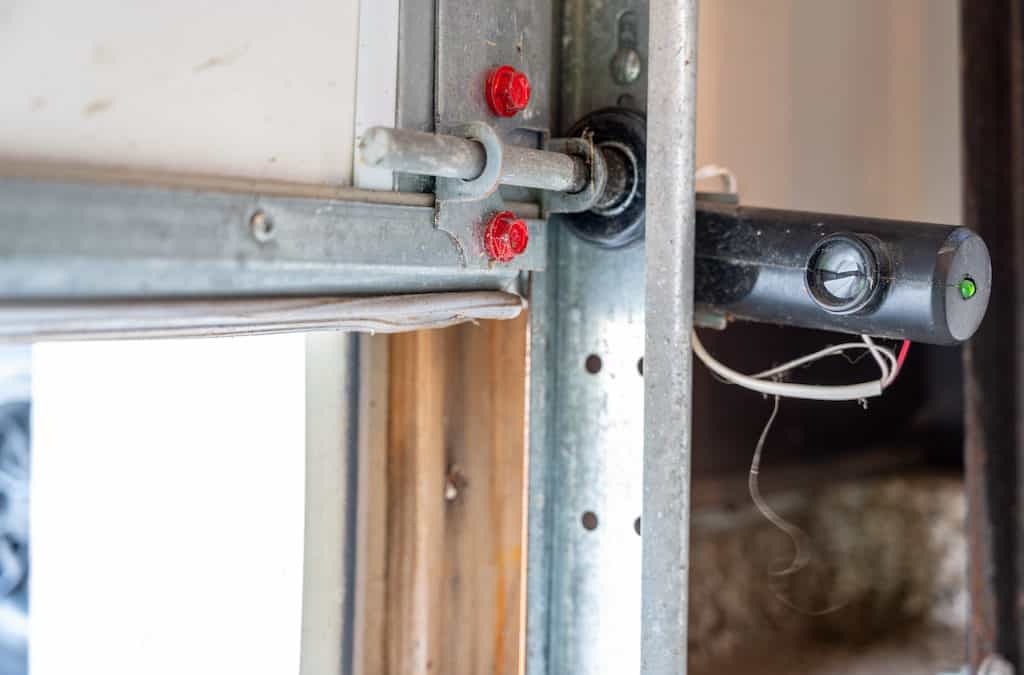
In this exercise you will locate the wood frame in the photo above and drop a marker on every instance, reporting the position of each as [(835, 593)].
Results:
[(445, 506)]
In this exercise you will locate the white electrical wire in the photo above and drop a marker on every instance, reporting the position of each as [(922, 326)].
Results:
[(846, 392), (822, 353), (889, 374), (729, 181)]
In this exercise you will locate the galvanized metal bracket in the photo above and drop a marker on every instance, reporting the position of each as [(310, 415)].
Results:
[(72, 240), (585, 487), (472, 37)]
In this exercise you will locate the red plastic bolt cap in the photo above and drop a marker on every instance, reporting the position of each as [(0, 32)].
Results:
[(508, 91), (505, 236)]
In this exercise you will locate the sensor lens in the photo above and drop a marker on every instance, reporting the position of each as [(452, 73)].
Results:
[(842, 274)]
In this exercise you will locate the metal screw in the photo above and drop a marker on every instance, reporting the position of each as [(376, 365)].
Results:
[(508, 91), (626, 65), (505, 236), (262, 227)]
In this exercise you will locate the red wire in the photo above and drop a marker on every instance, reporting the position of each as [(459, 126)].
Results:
[(902, 357)]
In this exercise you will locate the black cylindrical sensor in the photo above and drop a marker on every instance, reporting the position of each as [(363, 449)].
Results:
[(885, 278)]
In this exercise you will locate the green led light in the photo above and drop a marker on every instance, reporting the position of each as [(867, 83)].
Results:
[(968, 288)]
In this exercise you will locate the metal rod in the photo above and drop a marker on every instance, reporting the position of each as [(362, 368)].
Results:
[(671, 138), (423, 153), (408, 151), (543, 170)]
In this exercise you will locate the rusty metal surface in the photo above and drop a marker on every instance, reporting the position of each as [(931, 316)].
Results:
[(993, 84)]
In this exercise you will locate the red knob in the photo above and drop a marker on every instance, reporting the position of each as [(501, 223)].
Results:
[(505, 236), (508, 91)]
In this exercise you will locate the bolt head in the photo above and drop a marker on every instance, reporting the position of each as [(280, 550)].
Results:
[(508, 91), (626, 65), (505, 236)]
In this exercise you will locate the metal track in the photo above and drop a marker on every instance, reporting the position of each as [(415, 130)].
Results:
[(586, 435), (77, 240), (671, 143)]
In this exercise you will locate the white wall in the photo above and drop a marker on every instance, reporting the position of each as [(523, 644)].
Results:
[(253, 88)]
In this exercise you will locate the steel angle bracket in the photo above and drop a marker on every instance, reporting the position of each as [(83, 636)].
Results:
[(472, 38)]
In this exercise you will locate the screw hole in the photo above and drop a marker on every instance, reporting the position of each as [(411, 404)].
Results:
[(589, 520), (640, 366), (636, 525), (262, 227), (593, 364)]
